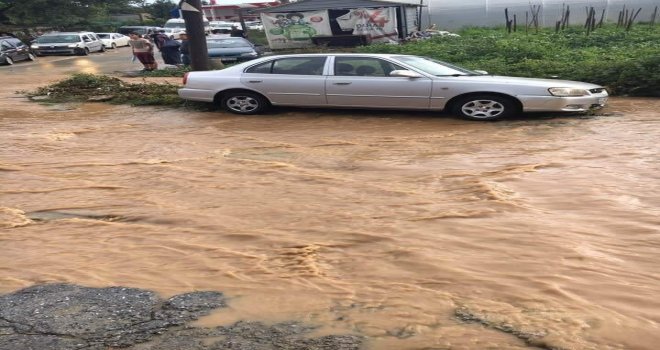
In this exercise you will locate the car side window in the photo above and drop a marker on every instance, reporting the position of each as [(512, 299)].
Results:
[(263, 68), (5, 45), (85, 38), (299, 66), (363, 66), (295, 66)]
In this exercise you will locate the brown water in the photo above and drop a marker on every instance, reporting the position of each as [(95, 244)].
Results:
[(378, 223)]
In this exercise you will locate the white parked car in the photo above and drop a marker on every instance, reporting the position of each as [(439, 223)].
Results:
[(113, 40), (254, 25), (174, 33), (67, 43), (388, 81)]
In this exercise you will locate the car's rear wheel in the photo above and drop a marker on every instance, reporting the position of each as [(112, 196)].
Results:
[(485, 107), (31, 57), (8, 60), (244, 102)]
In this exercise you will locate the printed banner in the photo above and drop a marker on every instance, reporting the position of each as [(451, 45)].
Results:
[(294, 30), (378, 25)]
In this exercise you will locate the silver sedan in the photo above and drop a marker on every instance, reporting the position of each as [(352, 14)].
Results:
[(384, 81)]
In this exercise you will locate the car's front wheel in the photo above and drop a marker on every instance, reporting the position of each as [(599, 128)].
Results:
[(31, 57), (114, 46), (485, 107), (244, 102), (102, 48), (8, 61)]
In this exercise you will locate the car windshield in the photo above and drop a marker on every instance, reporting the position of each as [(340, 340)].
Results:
[(224, 43), (103, 36), (435, 67), (58, 39)]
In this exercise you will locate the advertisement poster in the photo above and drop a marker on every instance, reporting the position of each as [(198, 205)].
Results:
[(378, 25), (294, 29)]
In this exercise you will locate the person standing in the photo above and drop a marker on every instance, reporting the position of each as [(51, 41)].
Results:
[(143, 50), (169, 49), (185, 49)]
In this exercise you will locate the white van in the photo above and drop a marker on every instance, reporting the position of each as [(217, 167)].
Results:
[(179, 23)]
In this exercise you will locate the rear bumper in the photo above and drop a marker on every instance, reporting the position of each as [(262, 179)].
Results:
[(563, 104), (196, 94)]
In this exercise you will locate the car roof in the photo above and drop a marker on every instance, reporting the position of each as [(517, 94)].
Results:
[(66, 33), (381, 55)]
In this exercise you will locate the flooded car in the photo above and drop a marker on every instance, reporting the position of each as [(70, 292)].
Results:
[(12, 50), (384, 81)]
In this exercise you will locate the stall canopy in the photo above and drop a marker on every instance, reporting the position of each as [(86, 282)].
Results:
[(309, 22)]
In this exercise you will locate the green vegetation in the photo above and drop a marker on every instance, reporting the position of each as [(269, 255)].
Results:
[(90, 87), (625, 62)]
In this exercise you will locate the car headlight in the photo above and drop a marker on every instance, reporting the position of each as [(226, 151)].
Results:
[(249, 54), (73, 45), (567, 92), (34, 46)]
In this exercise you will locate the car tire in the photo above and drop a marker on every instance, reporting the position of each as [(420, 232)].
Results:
[(114, 46), (8, 61), (102, 48), (485, 107), (244, 102), (83, 52), (31, 56)]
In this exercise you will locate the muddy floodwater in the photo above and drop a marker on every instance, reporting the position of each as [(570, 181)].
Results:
[(545, 230)]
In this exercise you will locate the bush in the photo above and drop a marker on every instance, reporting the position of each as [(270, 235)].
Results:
[(625, 62)]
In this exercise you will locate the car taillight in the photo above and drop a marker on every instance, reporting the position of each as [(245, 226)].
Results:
[(185, 78)]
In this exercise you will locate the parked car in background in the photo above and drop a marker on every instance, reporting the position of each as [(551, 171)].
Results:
[(387, 81), (113, 40), (67, 43), (254, 25), (174, 33), (180, 24), (224, 27), (144, 31), (232, 49), (13, 50)]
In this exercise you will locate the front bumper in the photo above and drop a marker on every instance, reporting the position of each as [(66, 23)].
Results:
[(564, 104), (56, 51)]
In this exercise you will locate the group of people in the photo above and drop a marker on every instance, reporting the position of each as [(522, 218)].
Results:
[(173, 52)]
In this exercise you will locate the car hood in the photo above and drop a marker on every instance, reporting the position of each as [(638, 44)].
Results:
[(228, 51), (519, 81)]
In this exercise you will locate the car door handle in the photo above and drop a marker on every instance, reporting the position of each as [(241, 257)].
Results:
[(255, 81), (342, 83)]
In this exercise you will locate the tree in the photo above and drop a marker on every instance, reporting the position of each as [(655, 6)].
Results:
[(160, 9), (58, 13)]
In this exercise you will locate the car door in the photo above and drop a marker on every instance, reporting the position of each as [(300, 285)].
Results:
[(22, 50), (297, 81), (360, 81)]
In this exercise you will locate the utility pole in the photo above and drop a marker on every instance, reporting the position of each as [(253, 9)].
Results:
[(191, 11)]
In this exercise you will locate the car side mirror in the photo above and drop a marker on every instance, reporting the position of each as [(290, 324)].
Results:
[(482, 72), (405, 73)]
